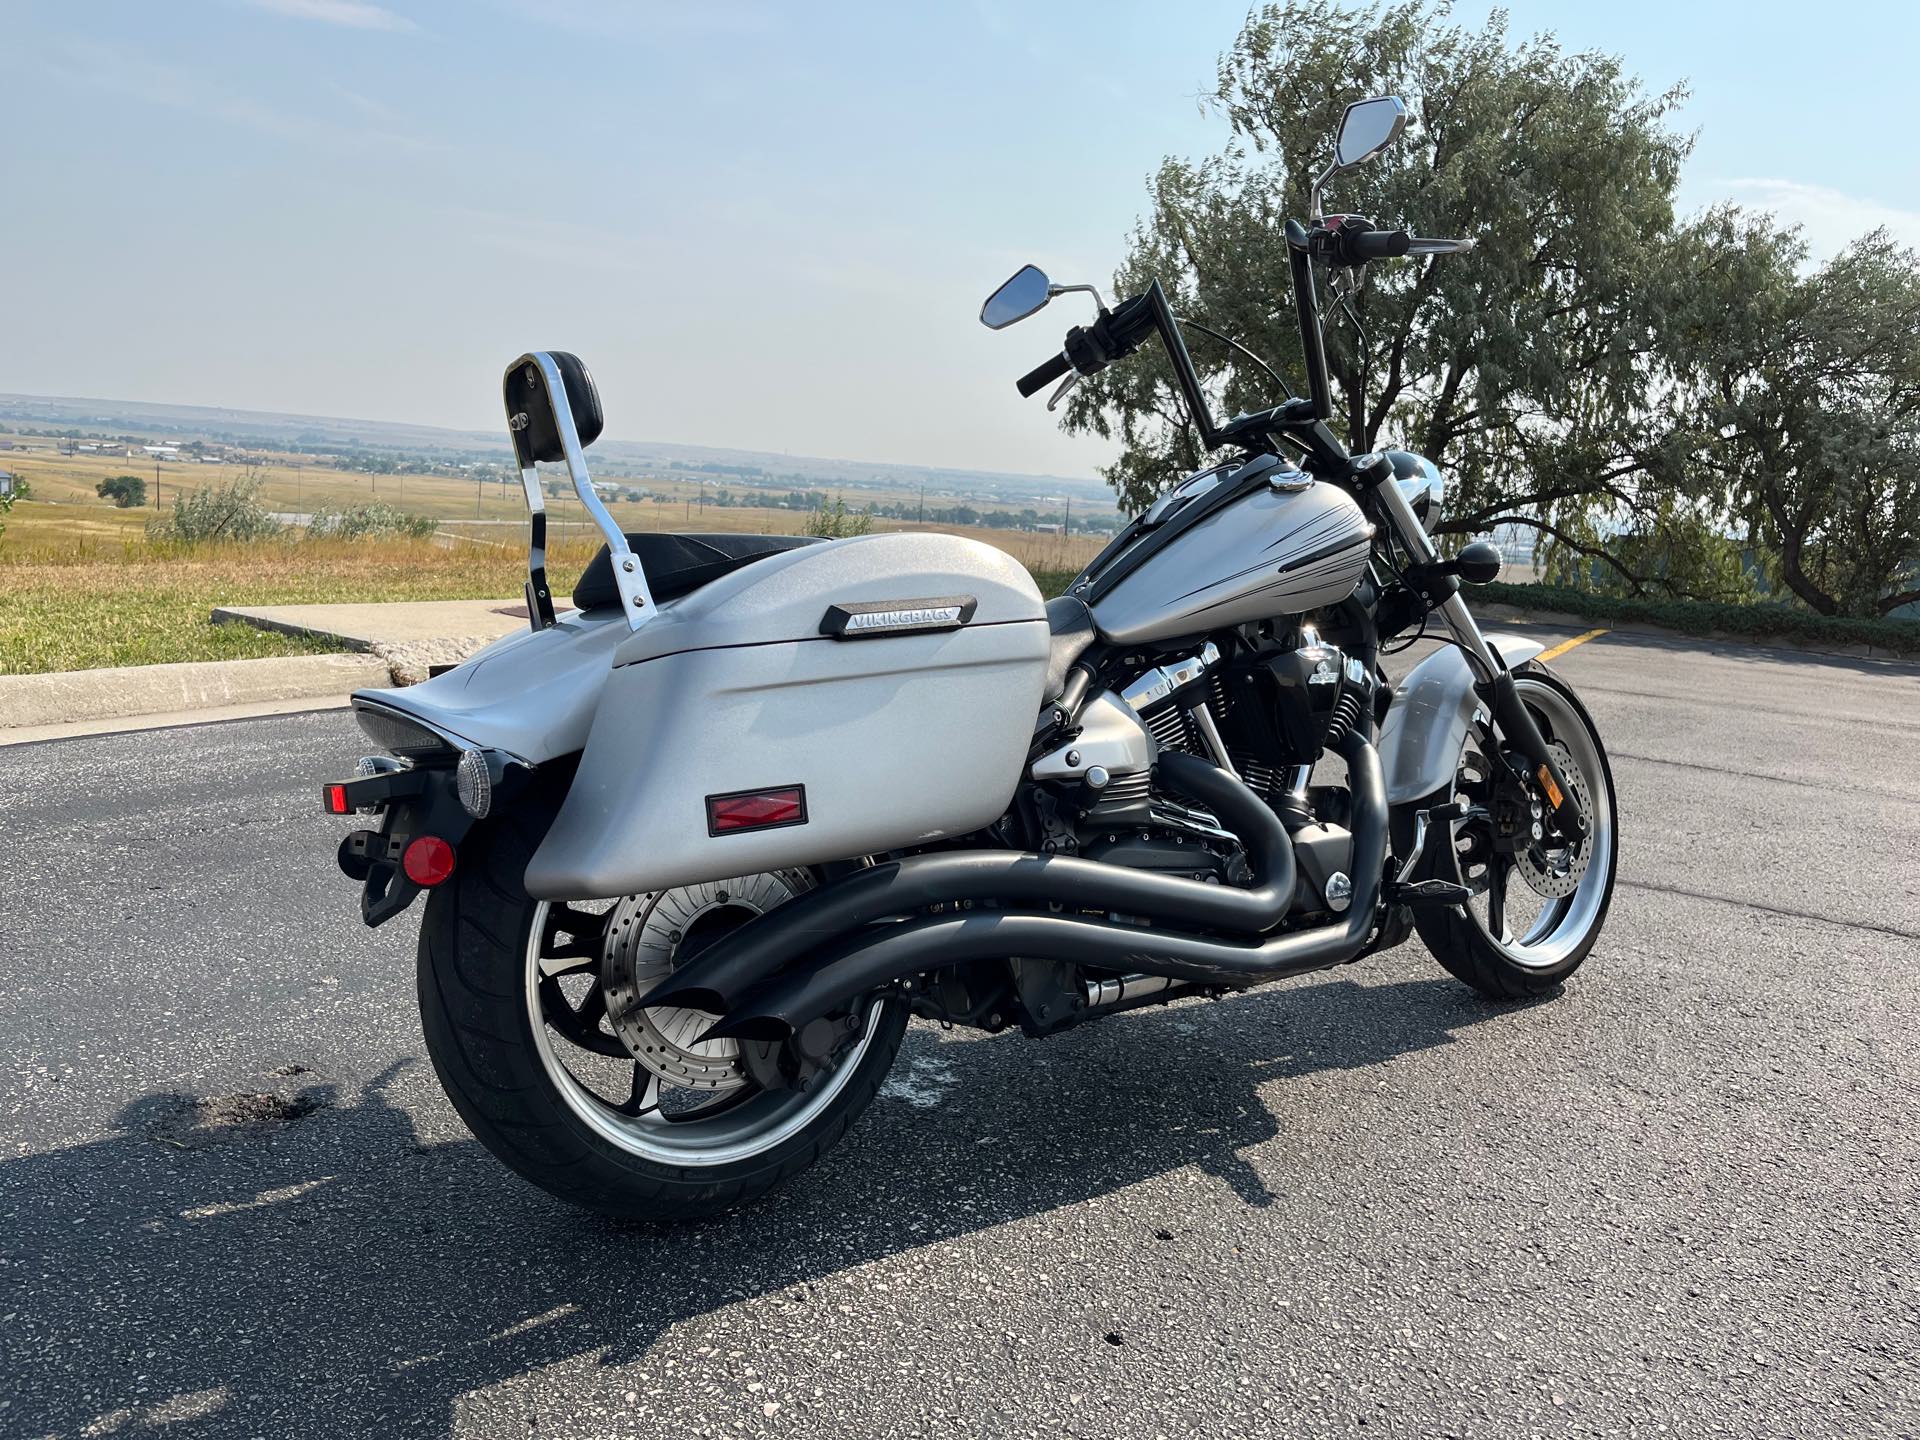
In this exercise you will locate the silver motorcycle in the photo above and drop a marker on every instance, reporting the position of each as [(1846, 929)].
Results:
[(698, 848)]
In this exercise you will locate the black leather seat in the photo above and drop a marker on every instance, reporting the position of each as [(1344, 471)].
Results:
[(1071, 624), (677, 565)]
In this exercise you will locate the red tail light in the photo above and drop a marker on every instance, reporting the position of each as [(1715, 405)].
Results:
[(427, 860), (756, 809), (336, 797)]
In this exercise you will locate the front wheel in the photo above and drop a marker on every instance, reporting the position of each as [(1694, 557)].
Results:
[(526, 1010), (1536, 908)]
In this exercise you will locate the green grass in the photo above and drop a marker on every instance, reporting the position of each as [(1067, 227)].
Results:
[(77, 600), (1699, 617), (1053, 582)]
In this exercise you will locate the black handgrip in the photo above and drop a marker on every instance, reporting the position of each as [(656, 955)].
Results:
[(1363, 245), (1044, 376)]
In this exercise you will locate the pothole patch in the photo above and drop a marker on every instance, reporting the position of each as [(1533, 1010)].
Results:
[(194, 1123)]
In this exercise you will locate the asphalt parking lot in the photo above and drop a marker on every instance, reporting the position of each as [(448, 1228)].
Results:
[(1678, 1199)]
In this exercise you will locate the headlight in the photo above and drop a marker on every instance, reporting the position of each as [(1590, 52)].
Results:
[(1422, 483), (399, 736)]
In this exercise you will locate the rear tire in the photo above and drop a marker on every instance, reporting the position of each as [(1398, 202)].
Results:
[(473, 987), (1460, 939)]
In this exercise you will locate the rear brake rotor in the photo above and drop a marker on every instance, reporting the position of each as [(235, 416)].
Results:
[(647, 937)]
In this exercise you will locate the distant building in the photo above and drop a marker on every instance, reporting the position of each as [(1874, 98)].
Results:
[(6, 483), (5, 443)]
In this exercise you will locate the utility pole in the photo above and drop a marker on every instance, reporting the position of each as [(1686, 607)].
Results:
[(920, 515), (156, 482)]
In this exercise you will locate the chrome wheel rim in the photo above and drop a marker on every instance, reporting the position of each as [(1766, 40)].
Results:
[(587, 1068), (1544, 934)]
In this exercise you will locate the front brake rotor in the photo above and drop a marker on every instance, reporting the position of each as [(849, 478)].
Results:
[(1554, 871)]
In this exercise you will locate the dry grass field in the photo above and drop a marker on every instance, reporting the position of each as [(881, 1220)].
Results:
[(299, 484), (81, 586)]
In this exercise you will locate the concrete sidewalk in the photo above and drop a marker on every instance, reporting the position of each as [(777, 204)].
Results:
[(412, 636)]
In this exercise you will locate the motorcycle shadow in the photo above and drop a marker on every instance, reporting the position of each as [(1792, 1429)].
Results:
[(319, 1270)]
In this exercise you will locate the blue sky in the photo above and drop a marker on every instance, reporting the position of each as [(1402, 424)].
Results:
[(765, 225)]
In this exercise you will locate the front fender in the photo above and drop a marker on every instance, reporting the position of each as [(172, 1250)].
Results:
[(1426, 726)]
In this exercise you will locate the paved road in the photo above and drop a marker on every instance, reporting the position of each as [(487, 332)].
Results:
[(1679, 1199)]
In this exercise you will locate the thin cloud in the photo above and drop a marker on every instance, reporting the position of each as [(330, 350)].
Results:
[(153, 82), (1829, 219), (352, 14), (647, 17)]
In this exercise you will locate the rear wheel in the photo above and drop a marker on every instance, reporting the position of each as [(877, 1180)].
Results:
[(528, 1016), (1537, 908)]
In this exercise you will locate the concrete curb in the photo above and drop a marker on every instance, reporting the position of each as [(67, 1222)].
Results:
[(79, 695), (1566, 619), (169, 719)]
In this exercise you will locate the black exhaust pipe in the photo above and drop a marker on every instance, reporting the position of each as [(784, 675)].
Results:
[(735, 963), (862, 963)]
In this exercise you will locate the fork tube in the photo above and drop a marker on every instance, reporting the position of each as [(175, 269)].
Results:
[(1494, 682), (1453, 610)]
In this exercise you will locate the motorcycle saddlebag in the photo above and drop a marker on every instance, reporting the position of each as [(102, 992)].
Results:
[(885, 686)]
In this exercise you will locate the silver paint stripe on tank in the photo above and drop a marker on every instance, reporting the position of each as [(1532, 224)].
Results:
[(1293, 571)]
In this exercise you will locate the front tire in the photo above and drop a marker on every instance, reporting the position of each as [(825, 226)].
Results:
[(1479, 942), (480, 991)]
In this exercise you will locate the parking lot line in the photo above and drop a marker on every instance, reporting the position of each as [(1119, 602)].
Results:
[(1565, 645)]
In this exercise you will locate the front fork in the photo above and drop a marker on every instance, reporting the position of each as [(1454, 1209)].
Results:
[(1493, 682)]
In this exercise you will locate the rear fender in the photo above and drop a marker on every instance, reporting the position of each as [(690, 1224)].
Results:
[(531, 695), (1426, 727)]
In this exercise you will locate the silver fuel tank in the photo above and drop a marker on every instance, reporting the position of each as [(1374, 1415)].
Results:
[(1285, 544)]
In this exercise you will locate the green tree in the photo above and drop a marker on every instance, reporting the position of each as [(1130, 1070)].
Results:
[(1524, 369), (20, 491), (358, 522), (126, 491), (1807, 388), (230, 511), (835, 521)]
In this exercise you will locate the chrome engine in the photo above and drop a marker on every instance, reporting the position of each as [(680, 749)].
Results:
[(1262, 714)]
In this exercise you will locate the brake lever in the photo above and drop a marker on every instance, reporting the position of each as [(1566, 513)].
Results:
[(1060, 391), (1430, 245)]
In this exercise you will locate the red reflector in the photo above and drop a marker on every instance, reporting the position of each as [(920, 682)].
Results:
[(337, 800), (427, 860), (756, 809)]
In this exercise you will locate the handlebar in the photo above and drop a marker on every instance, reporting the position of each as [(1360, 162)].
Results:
[(1044, 375), (1348, 240), (1360, 246), (1091, 348)]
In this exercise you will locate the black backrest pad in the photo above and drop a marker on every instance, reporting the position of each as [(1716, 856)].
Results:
[(525, 396), (677, 565)]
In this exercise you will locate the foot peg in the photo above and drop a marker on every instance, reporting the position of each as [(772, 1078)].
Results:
[(1428, 892), (1402, 890)]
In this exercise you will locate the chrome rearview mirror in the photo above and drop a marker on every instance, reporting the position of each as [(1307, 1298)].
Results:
[(1368, 127), (1027, 291)]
